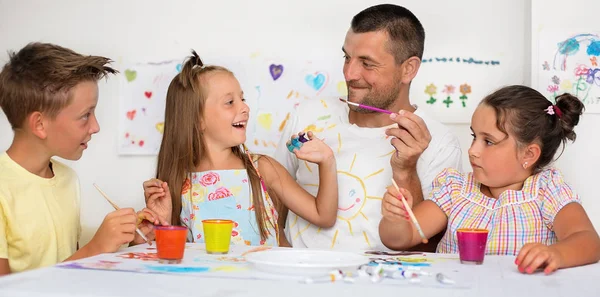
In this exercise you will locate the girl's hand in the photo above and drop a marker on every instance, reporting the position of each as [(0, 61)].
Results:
[(158, 198), (392, 207), (536, 255), (314, 150), (146, 219)]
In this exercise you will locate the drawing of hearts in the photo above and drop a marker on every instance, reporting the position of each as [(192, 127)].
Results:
[(178, 67), (160, 127), (141, 143), (148, 94), (131, 114), (316, 81), (276, 71), (130, 75)]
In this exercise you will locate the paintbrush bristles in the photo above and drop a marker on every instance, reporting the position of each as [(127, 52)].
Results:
[(348, 102)]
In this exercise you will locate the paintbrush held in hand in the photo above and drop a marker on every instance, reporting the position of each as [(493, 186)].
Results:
[(411, 214), (366, 106), (117, 208)]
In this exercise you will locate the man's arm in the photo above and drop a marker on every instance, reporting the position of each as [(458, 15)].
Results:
[(410, 139), (409, 179)]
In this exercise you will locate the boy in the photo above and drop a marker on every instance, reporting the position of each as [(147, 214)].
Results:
[(49, 94)]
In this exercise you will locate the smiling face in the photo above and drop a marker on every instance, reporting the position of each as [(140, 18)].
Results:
[(372, 75), (226, 112), (352, 195), (68, 133)]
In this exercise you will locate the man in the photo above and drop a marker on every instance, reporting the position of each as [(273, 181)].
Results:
[(382, 51)]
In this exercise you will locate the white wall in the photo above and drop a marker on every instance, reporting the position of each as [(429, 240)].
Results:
[(142, 31)]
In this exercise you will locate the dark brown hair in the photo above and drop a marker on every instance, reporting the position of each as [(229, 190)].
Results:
[(405, 32), (183, 146), (522, 111), (40, 76)]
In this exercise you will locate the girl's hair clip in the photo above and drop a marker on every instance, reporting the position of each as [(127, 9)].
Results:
[(554, 110), (197, 61)]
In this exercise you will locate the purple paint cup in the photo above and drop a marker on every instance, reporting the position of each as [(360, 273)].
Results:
[(471, 245)]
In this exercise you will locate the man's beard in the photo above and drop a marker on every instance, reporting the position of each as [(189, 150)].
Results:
[(382, 99)]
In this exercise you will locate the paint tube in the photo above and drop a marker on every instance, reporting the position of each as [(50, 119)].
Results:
[(444, 279), (331, 277)]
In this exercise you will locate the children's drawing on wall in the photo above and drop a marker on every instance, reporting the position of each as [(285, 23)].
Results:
[(465, 60), (451, 87), (449, 92), (142, 106), (273, 87), (569, 63)]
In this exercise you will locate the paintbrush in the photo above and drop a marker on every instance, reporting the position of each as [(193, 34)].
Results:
[(411, 214), (366, 106), (117, 208)]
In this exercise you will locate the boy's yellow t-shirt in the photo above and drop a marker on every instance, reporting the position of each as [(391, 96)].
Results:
[(39, 217)]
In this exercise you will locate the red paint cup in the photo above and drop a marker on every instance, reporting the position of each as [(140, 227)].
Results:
[(170, 243), (471, 245)]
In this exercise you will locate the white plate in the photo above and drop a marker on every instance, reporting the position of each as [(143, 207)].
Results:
[(304, 262)]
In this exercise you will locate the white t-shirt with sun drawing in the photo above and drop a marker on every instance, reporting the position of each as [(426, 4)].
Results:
[(364, 171)]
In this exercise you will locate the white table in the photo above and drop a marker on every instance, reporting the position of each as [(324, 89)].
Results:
[(498, 276)]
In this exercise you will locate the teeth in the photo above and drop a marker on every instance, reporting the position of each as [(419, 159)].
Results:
[(240, 124)]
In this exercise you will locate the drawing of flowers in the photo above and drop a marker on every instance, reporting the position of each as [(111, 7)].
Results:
[(556, 80), (431, 90), (464, 90), (449, 89), (581, 70), (219, 194), (210, 178), (187, 185), (546, 65), (593, 76), (552, 88), (566, 85)]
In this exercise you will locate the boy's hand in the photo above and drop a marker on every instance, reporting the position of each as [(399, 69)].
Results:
[(117, 229), (146, 219), (392, 207), (536, 255), (314, 150), (158, 198)]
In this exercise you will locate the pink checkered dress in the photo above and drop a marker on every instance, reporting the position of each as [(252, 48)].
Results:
[(513, 220)]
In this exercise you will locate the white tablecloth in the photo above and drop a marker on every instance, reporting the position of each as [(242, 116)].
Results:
[(498, 276)]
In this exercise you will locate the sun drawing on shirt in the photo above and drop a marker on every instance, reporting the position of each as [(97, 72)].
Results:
[(352, 200)]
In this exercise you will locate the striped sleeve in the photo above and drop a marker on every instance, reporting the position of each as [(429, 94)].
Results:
[(447, 184), (555, 194)]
